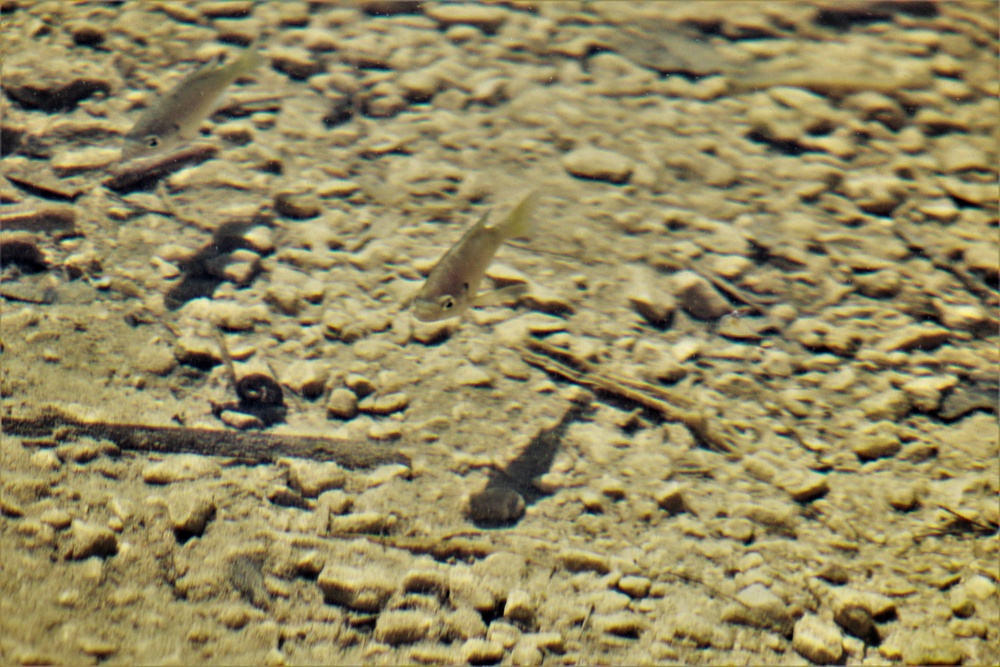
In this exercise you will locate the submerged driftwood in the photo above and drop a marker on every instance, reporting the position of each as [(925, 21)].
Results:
[(253, 447)]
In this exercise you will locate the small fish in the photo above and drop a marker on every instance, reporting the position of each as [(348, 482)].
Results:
[(453, 284), (175, 117)]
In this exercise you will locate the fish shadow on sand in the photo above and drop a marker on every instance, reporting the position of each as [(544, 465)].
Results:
[(502, 501), (206, 270)]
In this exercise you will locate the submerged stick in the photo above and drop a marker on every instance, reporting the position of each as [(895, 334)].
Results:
[(655, 398), (256, 447)]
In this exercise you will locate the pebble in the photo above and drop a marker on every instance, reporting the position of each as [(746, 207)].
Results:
[(635, 586), (471, 376), (648, 299), (49, 78), (89, 539), (876, 194), (156, 359), (902, 498), (925, 393), (888, 405), (306, 377), (57, 518), (882, 284), (196, 351), (485, 17), (877, 445), (180, 468), (982, 258), (519, 607), (802, 485), (697, 630), (232, 9), (245, 575), (402, 626), (477, 651), (698, 297), (960, 316), (190, 513), (87, 159), (297, 204), (240, 420), (362, 589), (760, 608), (526, 653), (876, 604), (311, 478), (621, 624), (296, 62), (342, 404), (914, 337), (599, 165), (670, 498), (929, 646), (958, 153), (857, 622), (384, 404), (496, 505), (577, 560), (364, 523), (817, 640)]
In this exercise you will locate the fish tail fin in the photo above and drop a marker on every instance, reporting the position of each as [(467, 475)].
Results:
[(249, 60), (518, 223)]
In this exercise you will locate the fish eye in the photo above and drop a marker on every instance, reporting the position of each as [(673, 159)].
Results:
[(446, 302), (152, 141)]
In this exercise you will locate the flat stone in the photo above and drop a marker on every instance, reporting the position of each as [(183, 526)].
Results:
[(598, 165), (888, 405), (180, 468), (929, 646), (362, 589), (384, 404), (880, 444), (577, 560), (297, 204), (366, 523), (477, 651), (485, 17), (87, 159), (50, 78), (621, 624), (635, 586), (802, 485), (311, 478), (89, 539), (876, 604), (471, 376), (924, 393), (297, 62), (817, 640), (915, 337), (402, 627)]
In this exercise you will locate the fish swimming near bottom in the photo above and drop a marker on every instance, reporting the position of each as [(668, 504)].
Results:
[(453, 284), (175, 117)]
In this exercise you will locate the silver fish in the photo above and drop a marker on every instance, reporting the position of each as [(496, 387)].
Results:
[(175, 117), (453, 284)]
